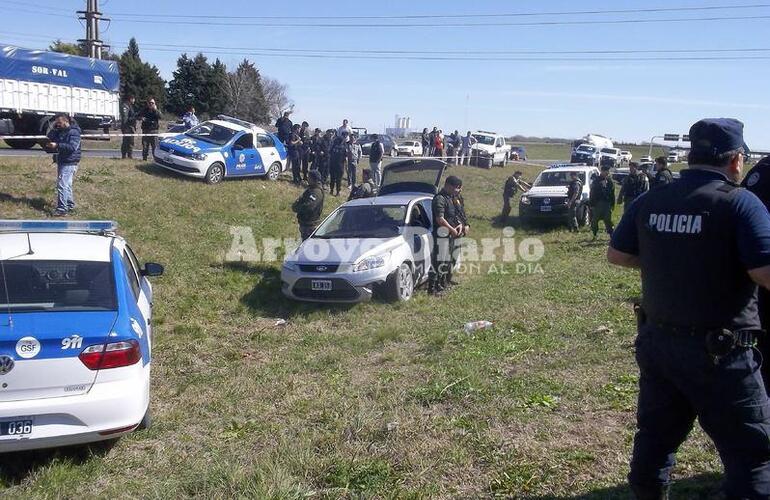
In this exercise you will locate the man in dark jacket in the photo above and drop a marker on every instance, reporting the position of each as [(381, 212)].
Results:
[(284, 125), (447, 227), (304, 134), (634, 185), (339, 156), (128, 127), (64, 141), (364, 190), (511, 187), (602, 200), (663, 175), (150, 126), (574, 194), (309, 206), (295, 154)]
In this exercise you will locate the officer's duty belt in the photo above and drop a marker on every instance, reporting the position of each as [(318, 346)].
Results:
[(741, 338)]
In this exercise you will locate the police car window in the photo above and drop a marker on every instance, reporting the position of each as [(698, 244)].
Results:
[(419, 218), (134, 263), (210, 132), (133, 281), (246, 141), (58, 285), (366, 221), (485, 139), (265, 141)]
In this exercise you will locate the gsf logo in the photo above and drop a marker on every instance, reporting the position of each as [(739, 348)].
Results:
[(73, 342)]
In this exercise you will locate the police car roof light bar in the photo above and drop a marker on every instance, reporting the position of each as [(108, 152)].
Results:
[(230, 119), (50, 226)]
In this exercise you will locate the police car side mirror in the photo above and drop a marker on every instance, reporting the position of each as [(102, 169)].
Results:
[(152, 269)]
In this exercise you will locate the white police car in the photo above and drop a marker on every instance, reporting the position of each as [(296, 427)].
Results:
[(225, 147), (372, 243), (75, 334)]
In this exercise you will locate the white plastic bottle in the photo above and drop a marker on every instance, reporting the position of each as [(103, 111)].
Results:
[(477, 325)]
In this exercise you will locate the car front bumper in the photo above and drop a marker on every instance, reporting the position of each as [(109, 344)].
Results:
[(347, 287), (533, 212), (184, 166), (108, 410)]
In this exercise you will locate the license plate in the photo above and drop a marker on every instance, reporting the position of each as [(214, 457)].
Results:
[(546, 208), (19, 427), (321, 285)]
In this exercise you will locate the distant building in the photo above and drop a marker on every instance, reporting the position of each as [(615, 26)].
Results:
[(402, 128)]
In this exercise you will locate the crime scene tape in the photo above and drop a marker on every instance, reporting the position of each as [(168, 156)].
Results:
[(91, 136)]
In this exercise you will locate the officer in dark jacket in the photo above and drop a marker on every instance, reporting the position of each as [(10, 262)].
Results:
[(465, 227), (364, 190), (309, 206), (602, 201), (322, 156), (574, 194), (703, 245), (304, 134), (511, 187), (284, 126), (757, 181), (447, 227), (150, 125), (64, 142), (294, 148), (634, 185), (663, 175), (128, 119), (339, 157)]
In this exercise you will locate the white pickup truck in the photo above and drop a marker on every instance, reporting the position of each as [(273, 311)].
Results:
[(490, 149)]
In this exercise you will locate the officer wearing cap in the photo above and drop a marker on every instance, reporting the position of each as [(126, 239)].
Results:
[(663, 174), (702, 244), (602, 201), (310, 205), (447, 227)]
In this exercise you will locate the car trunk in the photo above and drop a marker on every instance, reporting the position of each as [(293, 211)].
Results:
[(412, 176), (45, 348)]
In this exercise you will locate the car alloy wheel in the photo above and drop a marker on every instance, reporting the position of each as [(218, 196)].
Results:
[(405, 282), (274, 172), (215, 173)]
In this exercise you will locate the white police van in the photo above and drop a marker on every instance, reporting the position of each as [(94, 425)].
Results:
[(225, 147), (75, 334)]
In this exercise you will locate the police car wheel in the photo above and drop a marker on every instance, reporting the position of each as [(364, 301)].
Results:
[(215, 173), (274, 172), (393, 153), (399, 286)]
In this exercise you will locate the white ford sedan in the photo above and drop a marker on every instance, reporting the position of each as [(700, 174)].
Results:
[(370, 245)]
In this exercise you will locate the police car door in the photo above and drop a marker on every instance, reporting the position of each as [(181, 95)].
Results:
[(421, 241), (268, 154), (243, 158), (141, 292)]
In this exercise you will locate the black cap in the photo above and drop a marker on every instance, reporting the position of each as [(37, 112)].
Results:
[(715, 136), (314, 175), (453, 180)]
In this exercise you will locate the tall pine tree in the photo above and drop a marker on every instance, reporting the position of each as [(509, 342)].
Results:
[(190, 86), (140, 79)]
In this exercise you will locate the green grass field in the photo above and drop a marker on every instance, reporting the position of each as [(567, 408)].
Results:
[(368, 401)]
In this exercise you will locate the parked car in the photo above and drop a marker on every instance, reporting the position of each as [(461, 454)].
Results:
[(646, 159), (586, 154), (673, 157), (490, 149), (547, 199), (626, 157), (370, 245), (518, 153), (75, 334), (388, 144), (609, 157), (410, 148), (223, 148)]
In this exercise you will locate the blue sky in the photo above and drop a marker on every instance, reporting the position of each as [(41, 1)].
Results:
[(623, 99)]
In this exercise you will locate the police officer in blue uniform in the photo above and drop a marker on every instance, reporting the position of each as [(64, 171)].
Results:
[(702, 244)]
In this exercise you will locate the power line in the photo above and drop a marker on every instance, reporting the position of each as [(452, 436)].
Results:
[(39, 6), (465, 16)]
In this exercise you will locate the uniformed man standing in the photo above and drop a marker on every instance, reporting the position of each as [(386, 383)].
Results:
[(511, 187), (634, 185), (757, 181), (284, 126), (702, 244), (323, 152), (339, 156), (465, 227), (663, 175), (602, 201), (304, 134), (574, 194), (446, 229), (309, 206), (128, 126), (150, 125), (295, 154)]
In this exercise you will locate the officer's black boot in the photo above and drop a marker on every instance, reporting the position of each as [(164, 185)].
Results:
[(657, 492)]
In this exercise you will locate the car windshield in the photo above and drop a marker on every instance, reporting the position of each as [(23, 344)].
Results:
[(610, 151), (485, 139), (407, 144), (557, 178), (365, 139), (57, 285), (587, 149), (366, 221), (209, 132)]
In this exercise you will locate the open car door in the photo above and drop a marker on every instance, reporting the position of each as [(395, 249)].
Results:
[(412, 176)]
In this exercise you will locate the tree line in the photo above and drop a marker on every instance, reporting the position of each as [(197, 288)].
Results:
[(211, 88)]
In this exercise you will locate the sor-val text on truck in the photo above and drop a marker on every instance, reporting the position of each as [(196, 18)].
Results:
[(35, 85)]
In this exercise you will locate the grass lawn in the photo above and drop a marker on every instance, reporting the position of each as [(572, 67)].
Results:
[(368, 401)]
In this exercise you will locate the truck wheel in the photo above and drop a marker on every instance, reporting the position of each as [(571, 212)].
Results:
[(399, 286), (274, 172), (21, 143), (215, 173)]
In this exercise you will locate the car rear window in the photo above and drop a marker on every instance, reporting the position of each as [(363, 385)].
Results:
[(56, 285)]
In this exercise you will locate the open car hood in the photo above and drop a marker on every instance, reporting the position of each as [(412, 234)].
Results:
[(412, 176)]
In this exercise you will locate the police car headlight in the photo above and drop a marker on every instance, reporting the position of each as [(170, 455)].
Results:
[(198, 156), (291, 266), (369, 263), (525, 200)]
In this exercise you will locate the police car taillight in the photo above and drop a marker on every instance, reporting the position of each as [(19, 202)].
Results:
[(113, 355)]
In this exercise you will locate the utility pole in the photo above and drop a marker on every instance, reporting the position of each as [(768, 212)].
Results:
[(92, 17)]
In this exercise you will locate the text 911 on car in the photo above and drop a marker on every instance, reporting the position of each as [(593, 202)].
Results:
[(75, 334), (365, 245), (225, 147)]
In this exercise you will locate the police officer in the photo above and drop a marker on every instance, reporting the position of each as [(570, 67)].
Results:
[(757, 181), (376, 152), (574, 193), (447, 227), (305, 154), (284, 126), (309, 206), (339, 156), (702, 244), (465, 227), (150, 126), (602, 201), (323, 151), (295, 154), (128, 126), (364, 190), (511, 187), (634, 185), (663, 175)]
